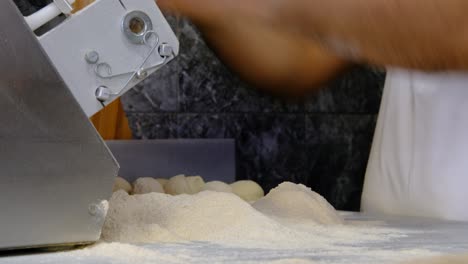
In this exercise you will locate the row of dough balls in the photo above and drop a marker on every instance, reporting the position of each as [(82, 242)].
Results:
[(181, 184)]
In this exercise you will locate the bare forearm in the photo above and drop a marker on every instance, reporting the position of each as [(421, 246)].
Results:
[(423, 34)]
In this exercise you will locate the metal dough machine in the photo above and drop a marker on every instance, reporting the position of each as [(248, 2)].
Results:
[(55, 168)]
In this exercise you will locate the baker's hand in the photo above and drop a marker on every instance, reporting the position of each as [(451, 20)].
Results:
[(268, 57), (218, 11)]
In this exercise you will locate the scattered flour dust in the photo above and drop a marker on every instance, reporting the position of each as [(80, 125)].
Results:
[(460, 259), (219, 227), (123, 253)]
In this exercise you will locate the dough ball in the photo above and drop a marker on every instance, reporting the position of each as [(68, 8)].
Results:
[(184, 185), (248, 190), (147, 185), (176, 185), (217, 186), (195, 184), (162, 181), (122, 184)]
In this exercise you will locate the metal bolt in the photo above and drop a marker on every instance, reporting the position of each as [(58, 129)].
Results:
[(141, 74), (92, 57), (103, 93), (165, 50), (93, 209)]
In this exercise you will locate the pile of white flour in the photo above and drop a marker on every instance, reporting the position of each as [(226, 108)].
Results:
[(291, 224), (217, 217)]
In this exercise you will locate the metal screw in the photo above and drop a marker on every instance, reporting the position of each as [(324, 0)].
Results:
[(165, 50), (92, 57), (103, 93), (141, 74), (93, 209)]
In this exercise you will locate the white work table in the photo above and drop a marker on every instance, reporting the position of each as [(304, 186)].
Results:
[(420, 234)]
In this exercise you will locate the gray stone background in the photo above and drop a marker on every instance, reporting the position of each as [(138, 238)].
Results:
[(323, 142)]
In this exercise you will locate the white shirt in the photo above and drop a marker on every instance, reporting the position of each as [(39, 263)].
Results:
[(419, 159)]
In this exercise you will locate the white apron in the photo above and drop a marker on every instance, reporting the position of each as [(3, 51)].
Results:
[(419, 159)]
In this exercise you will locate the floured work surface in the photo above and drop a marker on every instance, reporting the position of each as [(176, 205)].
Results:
[(221, 228)]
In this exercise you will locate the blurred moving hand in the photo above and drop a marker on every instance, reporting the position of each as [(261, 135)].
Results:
[(272, 59), (428, 35)]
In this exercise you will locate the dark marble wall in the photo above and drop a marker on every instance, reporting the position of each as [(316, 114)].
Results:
[(323, 142)]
